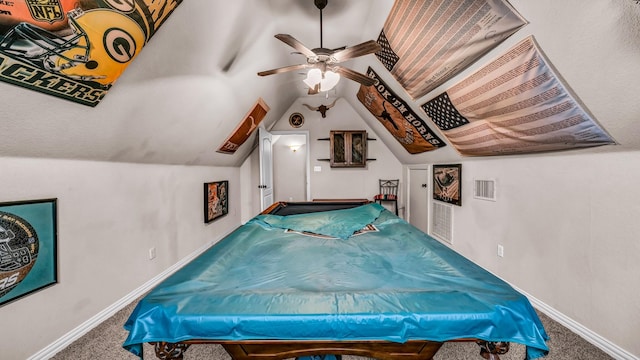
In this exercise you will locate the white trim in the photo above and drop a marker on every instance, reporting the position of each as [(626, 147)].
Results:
[(75, 334), (588, 335)]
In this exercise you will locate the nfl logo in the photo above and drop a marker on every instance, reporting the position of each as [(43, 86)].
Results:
[(45, 10)]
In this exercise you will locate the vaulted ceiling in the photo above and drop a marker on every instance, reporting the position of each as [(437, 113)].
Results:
[(196, 79)]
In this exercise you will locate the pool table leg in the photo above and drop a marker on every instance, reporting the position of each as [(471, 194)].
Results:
[(166, 351), (491, 349)]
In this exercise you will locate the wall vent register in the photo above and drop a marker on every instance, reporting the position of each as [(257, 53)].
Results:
[(442, 221), (484, 189)]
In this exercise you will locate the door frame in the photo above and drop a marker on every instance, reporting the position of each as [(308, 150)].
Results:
[(266, 182), (308, 156)]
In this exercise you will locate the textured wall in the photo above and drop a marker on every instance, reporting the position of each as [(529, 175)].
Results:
[(109, 215)]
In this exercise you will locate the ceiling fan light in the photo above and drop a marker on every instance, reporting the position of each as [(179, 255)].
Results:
[(314, 76), (330, 80)]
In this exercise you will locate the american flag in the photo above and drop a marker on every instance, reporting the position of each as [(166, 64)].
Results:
[(515, 104), (425, 43)]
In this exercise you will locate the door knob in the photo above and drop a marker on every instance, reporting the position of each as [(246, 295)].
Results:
[(424, 185)]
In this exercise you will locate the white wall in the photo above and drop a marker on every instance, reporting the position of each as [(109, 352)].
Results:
[(340, 182), (109, 215), (289, 169), (569, 226)]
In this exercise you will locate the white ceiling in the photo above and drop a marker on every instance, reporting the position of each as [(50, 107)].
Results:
[(196, 79)]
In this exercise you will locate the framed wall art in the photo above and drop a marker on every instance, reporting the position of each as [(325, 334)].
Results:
[(28, 247), (447, 183), (216, 202), (296, 120)]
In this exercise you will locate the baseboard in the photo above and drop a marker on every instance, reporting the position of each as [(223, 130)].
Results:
[(75, 334), (598, 341)]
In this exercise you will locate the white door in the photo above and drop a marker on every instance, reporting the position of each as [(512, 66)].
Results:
[(418, 198), (266, 168)]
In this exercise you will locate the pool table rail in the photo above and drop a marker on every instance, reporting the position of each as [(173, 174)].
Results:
[(285, 349)]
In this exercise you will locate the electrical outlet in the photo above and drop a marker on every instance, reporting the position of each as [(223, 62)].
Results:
[(500, 250), (152, 253)]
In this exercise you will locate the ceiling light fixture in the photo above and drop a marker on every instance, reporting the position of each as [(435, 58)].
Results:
[(294, 148), (326, 80)]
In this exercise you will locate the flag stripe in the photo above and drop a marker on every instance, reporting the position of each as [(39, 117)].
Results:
[(519, 134), (434, 30), (511, 123), (449, 43), (517, 52), (498, 81), (520, 105)]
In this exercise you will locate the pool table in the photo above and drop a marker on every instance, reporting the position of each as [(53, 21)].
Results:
[(332, 277)]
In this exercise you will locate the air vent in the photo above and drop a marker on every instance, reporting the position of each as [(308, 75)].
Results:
[(442, 222), (484, 189)]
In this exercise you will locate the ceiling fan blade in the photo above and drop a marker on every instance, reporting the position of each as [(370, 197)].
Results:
[(354, 75), (294, 43), (367, 47), (283, 69)]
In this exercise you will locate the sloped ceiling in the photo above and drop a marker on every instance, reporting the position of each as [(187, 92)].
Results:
[(196, 79)]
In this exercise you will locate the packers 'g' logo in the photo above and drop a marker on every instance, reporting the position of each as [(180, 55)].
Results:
[(18, 250), (45, 10), (120, 45), (126, 6)]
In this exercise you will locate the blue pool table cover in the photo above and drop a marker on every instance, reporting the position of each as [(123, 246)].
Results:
[(395, 284)]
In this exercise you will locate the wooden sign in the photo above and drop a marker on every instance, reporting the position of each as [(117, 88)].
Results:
[(245, 128), (397, 117)]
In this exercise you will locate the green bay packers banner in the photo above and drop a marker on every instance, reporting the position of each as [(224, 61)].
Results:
[(397, 117), (516, 104), (28, 256), (75, 49), (425, 43)]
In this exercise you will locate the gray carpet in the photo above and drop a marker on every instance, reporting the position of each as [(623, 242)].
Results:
[(105, 342)]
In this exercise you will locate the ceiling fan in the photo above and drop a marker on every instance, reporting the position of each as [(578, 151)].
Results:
[(324, 71)]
